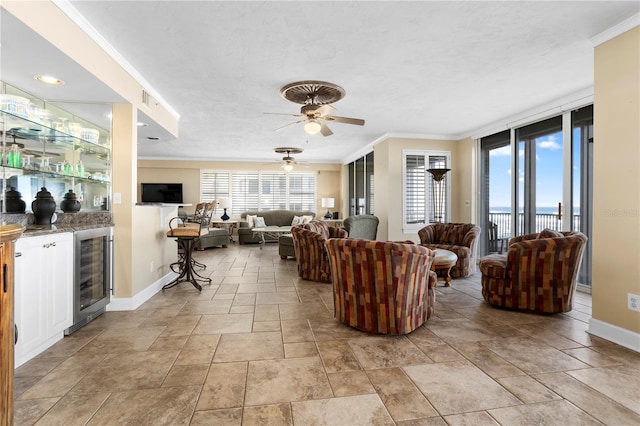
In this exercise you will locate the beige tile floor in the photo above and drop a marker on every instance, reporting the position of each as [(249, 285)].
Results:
[(260, 347)]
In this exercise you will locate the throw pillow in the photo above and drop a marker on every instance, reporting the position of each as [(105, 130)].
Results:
[(297, 220), (251, 220), (549, 233), (260, 223), (307, 219)]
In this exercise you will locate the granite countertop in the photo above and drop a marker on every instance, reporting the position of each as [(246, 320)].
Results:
[(65, 222)]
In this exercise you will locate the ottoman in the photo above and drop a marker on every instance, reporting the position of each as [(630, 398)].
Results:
[(285, 246), (442, 264), (215, 237)]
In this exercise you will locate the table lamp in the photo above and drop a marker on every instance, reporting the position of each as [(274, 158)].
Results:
[(225, 203), (328, 203)]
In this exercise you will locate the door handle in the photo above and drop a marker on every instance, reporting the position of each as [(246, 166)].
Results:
[(559, 211)]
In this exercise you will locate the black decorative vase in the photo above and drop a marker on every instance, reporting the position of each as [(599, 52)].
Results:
[(43, 207), (14, 202), (70, 204)]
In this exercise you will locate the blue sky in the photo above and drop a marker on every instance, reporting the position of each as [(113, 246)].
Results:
[(548, 173)]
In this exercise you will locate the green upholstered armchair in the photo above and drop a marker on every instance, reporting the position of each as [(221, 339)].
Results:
[(381, 287), (460, 238), (363, 226), (309, 246), (538, 274)]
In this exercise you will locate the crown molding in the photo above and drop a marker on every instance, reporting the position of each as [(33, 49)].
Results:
[(616, 30)]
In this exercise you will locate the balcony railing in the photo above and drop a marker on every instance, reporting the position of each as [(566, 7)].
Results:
[(543, 220)]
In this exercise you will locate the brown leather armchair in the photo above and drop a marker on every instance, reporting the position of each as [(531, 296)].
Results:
[(538, 274), (380, 286), (309, 246)]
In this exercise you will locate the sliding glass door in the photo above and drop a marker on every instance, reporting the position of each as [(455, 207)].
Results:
[(538, 176)]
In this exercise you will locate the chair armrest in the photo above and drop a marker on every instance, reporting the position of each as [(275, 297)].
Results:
[(471, 236), (494, 266), (337, 232)]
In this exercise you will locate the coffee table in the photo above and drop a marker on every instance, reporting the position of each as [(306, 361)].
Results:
[(444, 261), (273, 232)]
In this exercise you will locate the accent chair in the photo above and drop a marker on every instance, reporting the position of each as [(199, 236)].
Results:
[(363, 226), (309, 247), (381, 287), (460, 238), (537, 274)]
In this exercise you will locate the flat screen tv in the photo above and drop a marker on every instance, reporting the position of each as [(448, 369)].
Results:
[(161, 193)]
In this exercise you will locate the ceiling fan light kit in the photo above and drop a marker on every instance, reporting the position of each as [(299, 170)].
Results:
[(315, 97), (288, 161), (312, 127)]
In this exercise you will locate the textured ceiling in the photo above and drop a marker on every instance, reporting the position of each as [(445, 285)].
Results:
[(439, 69)]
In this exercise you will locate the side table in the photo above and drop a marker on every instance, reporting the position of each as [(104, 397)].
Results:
[(444, 261), (230, 224)]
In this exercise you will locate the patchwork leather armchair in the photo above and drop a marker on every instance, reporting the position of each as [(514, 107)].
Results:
[(363, 226), (380, 286), (309, 246), (460, 238), (538, 274)]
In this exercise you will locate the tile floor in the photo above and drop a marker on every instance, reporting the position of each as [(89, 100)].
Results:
[(260, 347)]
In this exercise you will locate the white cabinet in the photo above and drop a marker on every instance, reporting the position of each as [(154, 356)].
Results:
[(43, 292)]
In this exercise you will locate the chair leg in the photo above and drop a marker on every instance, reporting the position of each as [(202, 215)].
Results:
[(186, 266)]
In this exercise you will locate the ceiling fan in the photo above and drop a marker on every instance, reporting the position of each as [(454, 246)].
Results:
[(315, 97), (288, 161)]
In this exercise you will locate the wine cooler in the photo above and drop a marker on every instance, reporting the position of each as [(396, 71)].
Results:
[(93, 258)]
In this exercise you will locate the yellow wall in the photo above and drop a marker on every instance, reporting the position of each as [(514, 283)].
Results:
[(329, 177), (616, 195), (388, 182)]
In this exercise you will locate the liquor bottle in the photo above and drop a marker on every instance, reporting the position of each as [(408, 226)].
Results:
[(14, 158)]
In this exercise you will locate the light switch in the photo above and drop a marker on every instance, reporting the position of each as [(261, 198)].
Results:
[(117, 198)]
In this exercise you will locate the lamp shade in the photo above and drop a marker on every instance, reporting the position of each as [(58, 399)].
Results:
[(328, 203), (224, 202), (312, 127)]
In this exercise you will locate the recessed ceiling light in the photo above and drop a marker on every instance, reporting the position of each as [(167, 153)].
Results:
[(141, 124), (49, 80)]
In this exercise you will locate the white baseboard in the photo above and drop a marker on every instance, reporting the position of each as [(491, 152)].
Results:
[(132, 303), (615, 334)]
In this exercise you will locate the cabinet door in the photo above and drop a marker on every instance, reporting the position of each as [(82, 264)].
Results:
[(30, 294), (60, 288)]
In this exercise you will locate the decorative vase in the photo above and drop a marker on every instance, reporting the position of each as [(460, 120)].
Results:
[(43, 207), (14, 201), (70, 204)]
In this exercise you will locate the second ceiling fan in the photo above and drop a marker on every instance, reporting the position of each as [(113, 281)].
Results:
[(315, 97)]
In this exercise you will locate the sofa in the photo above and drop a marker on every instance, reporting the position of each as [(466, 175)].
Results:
[(538, 274), (271, 218), (309, 246), (381, 287), (459, 238)]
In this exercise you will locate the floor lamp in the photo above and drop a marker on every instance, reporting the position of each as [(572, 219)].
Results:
[(438, 193)]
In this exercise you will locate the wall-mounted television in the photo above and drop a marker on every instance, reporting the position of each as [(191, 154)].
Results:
[(161, 193)]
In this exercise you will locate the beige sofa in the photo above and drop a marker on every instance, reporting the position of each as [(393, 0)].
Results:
[(271, 218)]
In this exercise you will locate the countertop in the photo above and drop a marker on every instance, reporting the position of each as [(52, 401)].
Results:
[(65, 222)]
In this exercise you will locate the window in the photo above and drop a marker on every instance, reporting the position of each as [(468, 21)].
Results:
[(260, 191), (361, 185), (419, 201), (213, 185)]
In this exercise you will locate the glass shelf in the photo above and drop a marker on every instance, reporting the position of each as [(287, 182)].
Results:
[(58, 150)]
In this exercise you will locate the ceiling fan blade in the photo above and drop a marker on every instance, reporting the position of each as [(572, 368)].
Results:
[(287, 125), (325, 130), (324, 110), (283, 113), (345, 120)]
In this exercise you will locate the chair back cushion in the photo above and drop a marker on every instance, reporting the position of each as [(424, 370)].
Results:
[(363, 226), (381, 287)]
